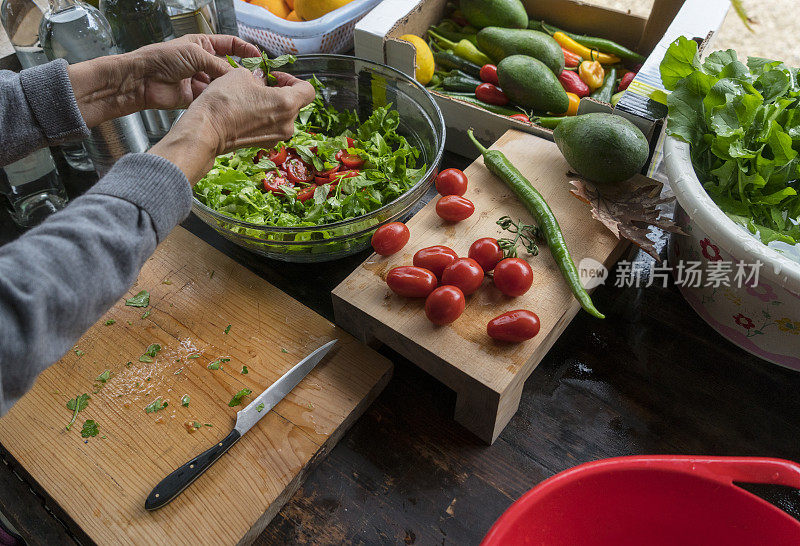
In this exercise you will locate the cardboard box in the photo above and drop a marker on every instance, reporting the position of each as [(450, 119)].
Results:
[(376, 39)]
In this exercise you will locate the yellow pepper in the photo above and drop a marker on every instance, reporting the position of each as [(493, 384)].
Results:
[(574, 101), (571, 45), (592, 74)]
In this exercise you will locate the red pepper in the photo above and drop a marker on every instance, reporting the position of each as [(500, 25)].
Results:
[(571, 60), (488, 74), (521, 117), (626, 81), (491, 94), (572, 83)]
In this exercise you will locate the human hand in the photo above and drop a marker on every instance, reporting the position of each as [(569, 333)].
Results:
[(167, 75), (236, 110)]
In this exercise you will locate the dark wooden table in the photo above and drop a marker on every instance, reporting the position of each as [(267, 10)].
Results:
[(650, 378)]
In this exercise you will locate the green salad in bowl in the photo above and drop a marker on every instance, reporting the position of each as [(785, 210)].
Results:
[(353, 163)]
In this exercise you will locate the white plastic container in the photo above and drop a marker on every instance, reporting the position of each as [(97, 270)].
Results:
[(331, 33)]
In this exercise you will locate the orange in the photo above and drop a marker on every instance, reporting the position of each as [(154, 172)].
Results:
[(293, 16), (276, 7)]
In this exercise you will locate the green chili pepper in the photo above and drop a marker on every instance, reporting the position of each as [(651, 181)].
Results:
[(502, 110), (455, 35), (500, 166), (604, 92), (592, 42), (448, 59), (464, 49), (456, 80), (615, 97), (548, 122)]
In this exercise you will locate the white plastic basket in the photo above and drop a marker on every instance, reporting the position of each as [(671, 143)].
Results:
[(331, 33)]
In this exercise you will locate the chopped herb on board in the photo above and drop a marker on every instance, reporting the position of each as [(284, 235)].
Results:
[(77, 404), (79, 352), (185, 401), (89, 429), (142, 299), (167, 281), (284, 351), (244, 370), (237, 398), (155, 405), (208, 425), (109, 322), (227, 328), (217, 364), (146, 314), (150, 353), (105, 376), (193, 356), (259, 408)]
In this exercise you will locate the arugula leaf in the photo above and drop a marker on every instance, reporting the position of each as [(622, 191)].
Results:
[(142, 299), (244, 370), (89, 429), (237, 398), (77, 404), (146, 314), (155, 405)]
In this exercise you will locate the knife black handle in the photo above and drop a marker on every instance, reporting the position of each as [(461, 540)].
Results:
[(171, 486)]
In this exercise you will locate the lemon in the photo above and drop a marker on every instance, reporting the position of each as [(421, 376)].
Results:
[(424, 60), (312, 9)]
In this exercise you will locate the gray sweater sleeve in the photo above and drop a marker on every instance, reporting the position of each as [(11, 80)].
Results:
[(57, 279), (37, 108)]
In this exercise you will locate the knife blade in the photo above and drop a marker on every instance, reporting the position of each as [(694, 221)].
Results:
[(172, 486)]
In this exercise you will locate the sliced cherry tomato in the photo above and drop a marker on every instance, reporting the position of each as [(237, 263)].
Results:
[(274, 182), (306, 193), (390, 238), (488, 74), (451, 182), (435, 258), (486, 252), (351, 143), (340, 154), (454, 208), (320, 180), (297, 171), (491, 94), (521, 117), (345, 174), (278, 156), (352, 161), (514, 326), (411, 282), (445, 304), (465, 273), (259, 155), (330, 171), (513, 276)]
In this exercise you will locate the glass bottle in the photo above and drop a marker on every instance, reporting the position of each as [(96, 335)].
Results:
[(137, 23), (193, 16), (33, 188), (78, 32), (21, 19)]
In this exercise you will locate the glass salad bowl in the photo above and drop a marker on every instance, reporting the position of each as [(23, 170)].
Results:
[(359, 86)]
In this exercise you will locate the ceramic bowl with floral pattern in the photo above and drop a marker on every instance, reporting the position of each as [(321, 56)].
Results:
[(747, 291)]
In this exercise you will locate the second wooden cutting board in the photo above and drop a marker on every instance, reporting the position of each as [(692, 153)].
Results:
[(487, 376)]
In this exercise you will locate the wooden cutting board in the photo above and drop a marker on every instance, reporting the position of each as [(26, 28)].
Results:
[(195, 293), (487, 376)]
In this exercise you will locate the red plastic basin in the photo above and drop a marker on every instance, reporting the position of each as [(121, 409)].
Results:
[(653, 500)]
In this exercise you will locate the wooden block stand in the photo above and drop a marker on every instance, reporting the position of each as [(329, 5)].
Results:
[(487, 376)]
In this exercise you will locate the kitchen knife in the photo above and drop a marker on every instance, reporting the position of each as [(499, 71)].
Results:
[(171, 486)]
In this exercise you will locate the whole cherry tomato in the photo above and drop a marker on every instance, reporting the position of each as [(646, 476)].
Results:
[(486, 252), (435, 258), (297, 171), (306, 193), (352, 161), (444, 305), (411, 282), (521, 117), (278, 156), (513, 276), (451, 182), (491, 94), (488, 74), (514, 326), (390, 238), (464, 273), (273, 182), (454, 208)]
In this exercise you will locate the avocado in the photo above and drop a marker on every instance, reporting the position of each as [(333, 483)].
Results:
[(495, 13), (530, 83), (498, 43), (604, 148)]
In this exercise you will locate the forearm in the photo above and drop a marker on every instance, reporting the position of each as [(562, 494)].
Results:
[(59, 278)]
